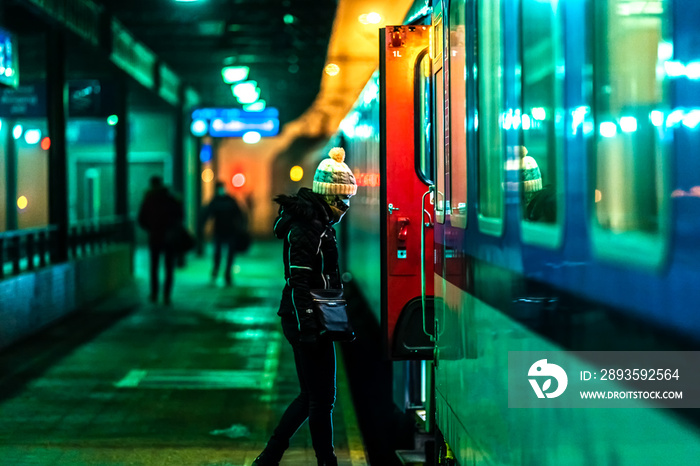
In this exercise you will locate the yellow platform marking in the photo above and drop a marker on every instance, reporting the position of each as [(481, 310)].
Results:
[(356, 446)]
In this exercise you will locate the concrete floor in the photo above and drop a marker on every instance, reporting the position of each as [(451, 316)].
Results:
[(200, 382)]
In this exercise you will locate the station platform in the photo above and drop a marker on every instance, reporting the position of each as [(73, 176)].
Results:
[(200, 382)]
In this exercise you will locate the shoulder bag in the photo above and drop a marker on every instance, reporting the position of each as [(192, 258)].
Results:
[(331, 311)]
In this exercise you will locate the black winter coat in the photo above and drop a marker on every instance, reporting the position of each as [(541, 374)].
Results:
[(310, 254), (160, 211), (228, 217)]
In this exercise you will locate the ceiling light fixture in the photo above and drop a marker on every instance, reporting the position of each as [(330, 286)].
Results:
[(370, 18), (258, 106), (249, 97), (244, 88), (234, 74), (332, 69)]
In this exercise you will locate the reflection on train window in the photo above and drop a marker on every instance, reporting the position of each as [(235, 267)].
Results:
[(458, 116), (542, 115), (4, 129), (490, 82), (424, 119), (631, 99)]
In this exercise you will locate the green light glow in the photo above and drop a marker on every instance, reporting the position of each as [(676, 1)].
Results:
[(289, 19), (258, 106), (249, 97), (112, 120), (244, 88), (234, 74)]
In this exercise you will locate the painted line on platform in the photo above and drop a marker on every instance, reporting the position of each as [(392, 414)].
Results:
[(358, 456)]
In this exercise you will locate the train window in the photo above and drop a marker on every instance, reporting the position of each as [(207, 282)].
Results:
[(489, 117), (632, 147), (440, 147), (439, 121), (424, 119), (542, 121), (458, 115), (4, 128)]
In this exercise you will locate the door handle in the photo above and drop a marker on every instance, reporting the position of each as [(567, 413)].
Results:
[(391, 208), (403, 228)]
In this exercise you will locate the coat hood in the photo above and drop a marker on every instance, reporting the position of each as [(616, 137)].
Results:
[(306, 206)]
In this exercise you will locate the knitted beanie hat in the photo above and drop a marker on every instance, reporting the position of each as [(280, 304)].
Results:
[(333, 176), (531, 176)]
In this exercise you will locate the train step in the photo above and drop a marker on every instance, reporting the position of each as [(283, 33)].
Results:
[(411, 457)]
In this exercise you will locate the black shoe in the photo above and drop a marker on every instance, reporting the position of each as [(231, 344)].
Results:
[(265, 460)]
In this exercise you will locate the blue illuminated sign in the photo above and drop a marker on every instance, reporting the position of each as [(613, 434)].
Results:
[(9, 72), (205, 154), (234, 122)]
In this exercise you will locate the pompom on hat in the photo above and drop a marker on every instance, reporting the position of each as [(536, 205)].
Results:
[(333, 176)]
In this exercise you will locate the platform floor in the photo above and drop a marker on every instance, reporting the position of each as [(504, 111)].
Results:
[(200, 382)]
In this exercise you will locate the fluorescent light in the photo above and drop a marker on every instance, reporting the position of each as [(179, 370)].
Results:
[(251, 137), (249, 97), (244, 88), (234, 74), (628, 124), (257, 106), (608, 129)]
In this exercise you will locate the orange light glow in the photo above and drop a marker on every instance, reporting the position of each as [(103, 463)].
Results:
[(598, 195), (332, 69), (46, 143), (207, 175), (370, 18), (238, 180)]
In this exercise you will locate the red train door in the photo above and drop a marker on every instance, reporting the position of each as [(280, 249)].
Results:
[(406, 208)]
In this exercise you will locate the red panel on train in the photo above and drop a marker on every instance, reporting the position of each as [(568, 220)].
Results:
[(401, 188)]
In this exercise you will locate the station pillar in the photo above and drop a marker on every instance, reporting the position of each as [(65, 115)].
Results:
[(57, 104), (11, 222), (121, 161), (179, 145)]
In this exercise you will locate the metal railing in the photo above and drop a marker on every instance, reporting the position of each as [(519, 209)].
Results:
[(30, 249)]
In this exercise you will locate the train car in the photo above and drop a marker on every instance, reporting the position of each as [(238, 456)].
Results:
[(529, 185)]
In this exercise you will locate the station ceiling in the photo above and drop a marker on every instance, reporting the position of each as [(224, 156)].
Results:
[(284, 42)]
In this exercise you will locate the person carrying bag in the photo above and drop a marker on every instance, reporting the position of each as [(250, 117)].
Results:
[(313, 289)]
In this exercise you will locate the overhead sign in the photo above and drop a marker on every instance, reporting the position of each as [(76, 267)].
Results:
[(28, 100), (91, 98), (234, 122), (86, 98)]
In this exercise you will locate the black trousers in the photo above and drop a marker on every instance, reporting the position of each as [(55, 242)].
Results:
[(315, 365), (219, 244), (158, 249)]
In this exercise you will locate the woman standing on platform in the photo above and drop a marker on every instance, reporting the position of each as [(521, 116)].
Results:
[(305, 223)]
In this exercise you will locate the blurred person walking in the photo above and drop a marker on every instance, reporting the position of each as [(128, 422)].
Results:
[(230, 229), (161, 215), (310, 255)]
